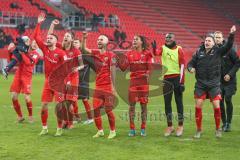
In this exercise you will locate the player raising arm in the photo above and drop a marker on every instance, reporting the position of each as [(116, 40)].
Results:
[(53, 58), (104, 87), (70, 95), (206, 64)]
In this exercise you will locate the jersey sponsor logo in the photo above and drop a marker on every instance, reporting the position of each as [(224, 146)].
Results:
[(50, 60), (34, 56)]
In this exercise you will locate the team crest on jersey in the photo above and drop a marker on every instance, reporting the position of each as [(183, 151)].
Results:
[(105, 58), (55, 55)]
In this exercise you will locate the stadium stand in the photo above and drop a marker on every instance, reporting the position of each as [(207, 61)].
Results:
[(131, 25), (158, 22), (30, 8)]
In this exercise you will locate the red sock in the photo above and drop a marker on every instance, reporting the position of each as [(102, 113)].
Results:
[(44, 116), (98, 119), (111, 117), (143, 116), (65, 115), (29, 108), (132, 125), (17, 108), (132, 117), (75, 108), (217, 116), (143, 125), (59, 123), (87, 108), (59, 115), (198, 118), (70, 115)]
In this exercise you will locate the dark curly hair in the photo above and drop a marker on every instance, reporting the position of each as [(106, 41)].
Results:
[(145, 44)]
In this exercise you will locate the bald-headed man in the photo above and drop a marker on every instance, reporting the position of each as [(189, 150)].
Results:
[(103, 94)]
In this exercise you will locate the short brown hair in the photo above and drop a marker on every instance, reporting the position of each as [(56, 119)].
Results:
[(54, 35)]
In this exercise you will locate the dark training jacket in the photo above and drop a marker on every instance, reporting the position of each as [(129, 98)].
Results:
[(208, 65), (230, 67)]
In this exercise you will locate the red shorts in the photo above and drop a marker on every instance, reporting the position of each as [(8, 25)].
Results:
[(138, 94), (103, 97), (21, 84), (70, 94), (205, 95), (48, 94)]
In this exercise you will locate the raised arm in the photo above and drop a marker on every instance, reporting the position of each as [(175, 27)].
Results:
[(84, 41), (36, 32), (52, 26), (227, 46)]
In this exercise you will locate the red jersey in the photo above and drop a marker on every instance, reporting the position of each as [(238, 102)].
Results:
[(25, 68), (107, 59), (72, 53), (52, 58), (139, 63)]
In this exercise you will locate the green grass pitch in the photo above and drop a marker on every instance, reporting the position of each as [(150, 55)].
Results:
[(21, 141)]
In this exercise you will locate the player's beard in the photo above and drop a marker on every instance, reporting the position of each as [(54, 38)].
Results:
[(100, 46), (66, 44), (49, 44)]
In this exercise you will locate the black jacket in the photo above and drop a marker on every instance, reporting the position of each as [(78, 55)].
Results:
[(208, 65), (230, 67)]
